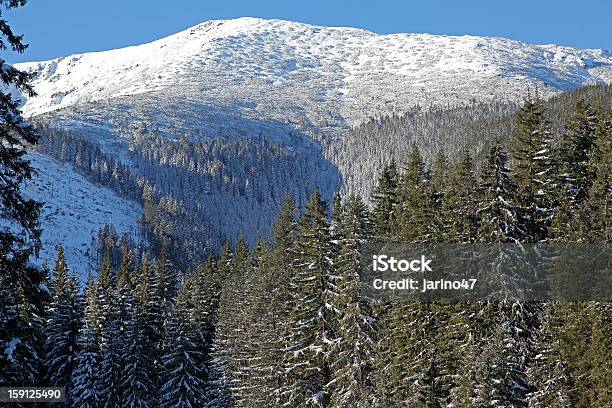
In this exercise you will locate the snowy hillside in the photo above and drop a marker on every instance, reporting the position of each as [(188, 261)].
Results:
[(74, 211), (315, 79)]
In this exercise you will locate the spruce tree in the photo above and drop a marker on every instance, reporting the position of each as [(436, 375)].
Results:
[(311, 322), (283, 257), (574, 176), (437, 190), (182, 375), (413, 218), (460, 202), (62, 325), (147, 328), (84, 379), (22, 294), (534, 168), (385, 199), (598, 205), (498, 214), (353, 358)]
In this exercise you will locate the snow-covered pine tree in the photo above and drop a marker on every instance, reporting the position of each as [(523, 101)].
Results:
[(549, 371), (533, 168), (230, 330), (111, 336), (148, 307), (352, 360), (205, 292), (108, 384), (182, 377), (498, 214), (574, 176), (311, 322), (84, 378), (22, 293), (278, 334), (62, 325), (165, 280), (138, 357)]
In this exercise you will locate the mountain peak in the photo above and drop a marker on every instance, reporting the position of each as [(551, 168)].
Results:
[(311, 76)]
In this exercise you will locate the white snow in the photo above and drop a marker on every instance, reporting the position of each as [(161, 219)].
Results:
[(74, 211), (10, 348), (314, 78)]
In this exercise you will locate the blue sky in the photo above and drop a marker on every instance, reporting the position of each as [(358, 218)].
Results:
[(55, 28)]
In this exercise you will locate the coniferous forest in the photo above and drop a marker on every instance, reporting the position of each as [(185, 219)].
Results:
[(282, 323), (199, 320)]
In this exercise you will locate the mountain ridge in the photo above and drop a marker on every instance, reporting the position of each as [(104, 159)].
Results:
[(315, 78)]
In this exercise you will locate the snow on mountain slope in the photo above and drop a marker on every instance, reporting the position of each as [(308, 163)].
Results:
[(74, 211), (315, 79)]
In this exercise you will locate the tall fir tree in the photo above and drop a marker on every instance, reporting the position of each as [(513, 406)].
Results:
[(312, 322), (62, 325), (414, 215), (85, 376), (385, 199), (534, 168), (352, 361), (22, 293), (182, 376), (460, 202), (498, 216)]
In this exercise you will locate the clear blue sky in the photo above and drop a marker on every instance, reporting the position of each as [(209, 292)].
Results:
[(56, 28)]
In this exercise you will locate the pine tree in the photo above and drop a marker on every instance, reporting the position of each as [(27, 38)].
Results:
[(437, 191), (84, 379), (311, 322), (598, 205), (138, 373), (354, 354), (534, 168), (165, 281), (413, 219), (22, 294), (226, 369), (182, 376), (574, 177), (385, 199), (108, 384), (498, 214), (145, 337), (111, 336), (460, 202), (283, 256), (62, 325)]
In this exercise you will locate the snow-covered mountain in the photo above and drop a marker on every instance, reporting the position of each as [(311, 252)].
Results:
[(298, 85), (273, 73)]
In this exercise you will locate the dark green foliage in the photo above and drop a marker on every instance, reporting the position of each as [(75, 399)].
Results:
[(62, 325), (22, 293), (460, 205), (385, 200), (498, 215), (534, 168), (414, 216)]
